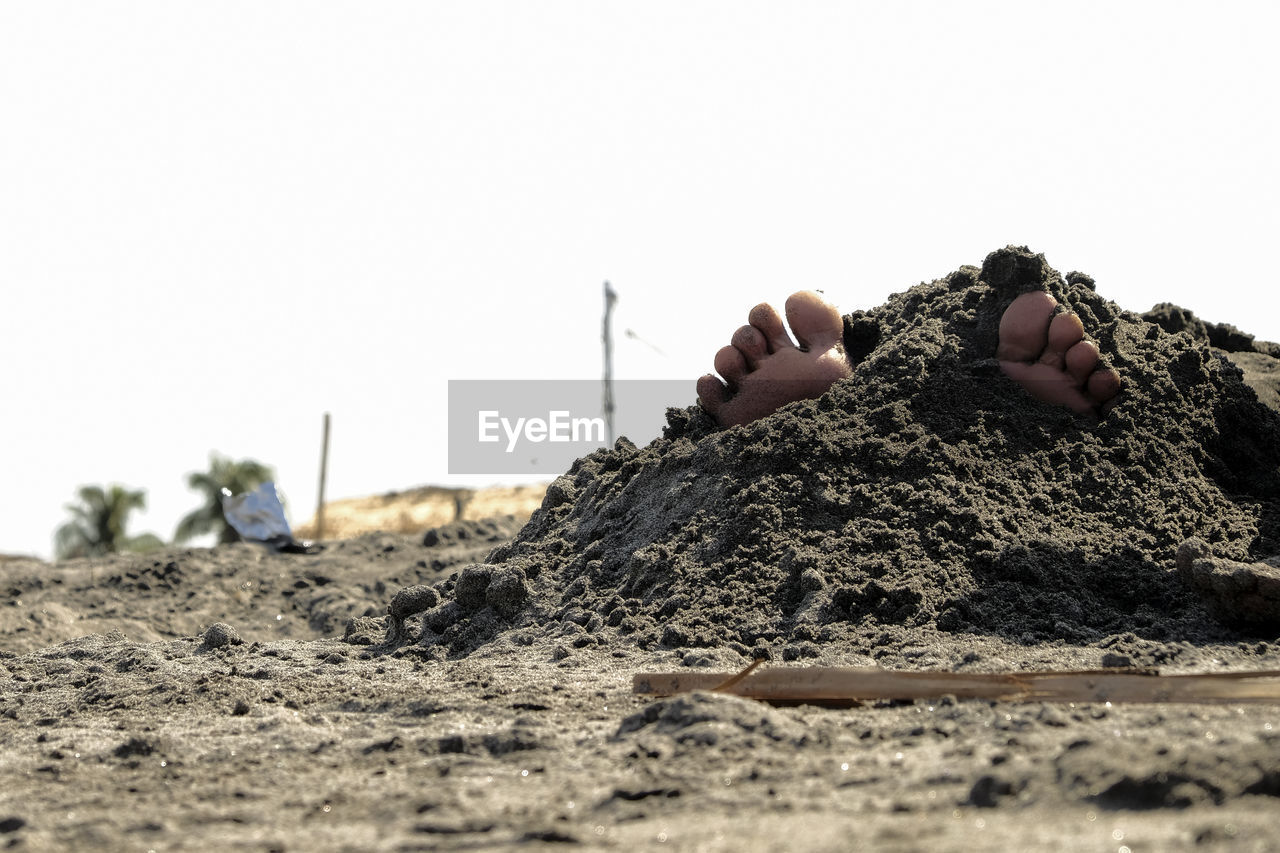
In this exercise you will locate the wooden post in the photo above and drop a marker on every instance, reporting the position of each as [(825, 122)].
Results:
[(324, 470), (610, 297)]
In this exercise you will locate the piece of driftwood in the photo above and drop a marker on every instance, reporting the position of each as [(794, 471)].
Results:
[(847, 685)]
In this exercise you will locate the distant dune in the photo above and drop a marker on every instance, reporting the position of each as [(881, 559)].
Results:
[(415, 510)]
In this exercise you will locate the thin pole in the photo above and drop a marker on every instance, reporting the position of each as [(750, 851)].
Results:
[(324, 470), (610, 297)]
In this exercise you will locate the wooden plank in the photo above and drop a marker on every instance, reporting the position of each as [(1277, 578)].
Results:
[(860, 684)]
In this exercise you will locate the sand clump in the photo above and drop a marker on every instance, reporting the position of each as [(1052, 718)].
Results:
[(1246, 595), (926, 493)]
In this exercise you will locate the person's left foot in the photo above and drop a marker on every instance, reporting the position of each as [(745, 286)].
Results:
[(1045, 352)]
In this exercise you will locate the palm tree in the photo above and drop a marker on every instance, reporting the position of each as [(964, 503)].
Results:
[(98, 523), (223, 473)]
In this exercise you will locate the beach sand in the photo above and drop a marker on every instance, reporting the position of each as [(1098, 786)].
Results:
[(924, 516)]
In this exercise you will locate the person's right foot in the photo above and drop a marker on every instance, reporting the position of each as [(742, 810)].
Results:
[(764, 370), (1048, 356)]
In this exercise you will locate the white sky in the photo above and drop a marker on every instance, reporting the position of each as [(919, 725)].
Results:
[(220, 220)]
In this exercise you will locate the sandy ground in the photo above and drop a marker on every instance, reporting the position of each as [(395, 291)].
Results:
[(922, 517), (140, 734)]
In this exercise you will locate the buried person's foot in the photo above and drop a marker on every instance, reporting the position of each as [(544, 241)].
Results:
[(1046, 353), (1043, 351), (764, 369)]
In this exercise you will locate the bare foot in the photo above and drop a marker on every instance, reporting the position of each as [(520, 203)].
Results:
[(1048, 356), (764, 370)]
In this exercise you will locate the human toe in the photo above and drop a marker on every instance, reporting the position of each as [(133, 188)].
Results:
[(1103, 385), (750, 341), (1065, 331), (1024, 327), (816, 322), (1081, 360), (731, 364), (764, 318), (712, 394)]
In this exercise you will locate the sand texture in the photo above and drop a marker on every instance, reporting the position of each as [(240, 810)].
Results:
[(469, 688)]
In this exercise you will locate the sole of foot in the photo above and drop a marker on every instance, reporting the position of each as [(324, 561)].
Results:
[(1042, 349), (1045, 351), (763, 369)]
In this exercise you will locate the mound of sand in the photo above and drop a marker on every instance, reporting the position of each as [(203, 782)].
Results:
[(925, 494)]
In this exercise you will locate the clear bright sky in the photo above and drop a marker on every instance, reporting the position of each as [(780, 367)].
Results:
[(220, 220)]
